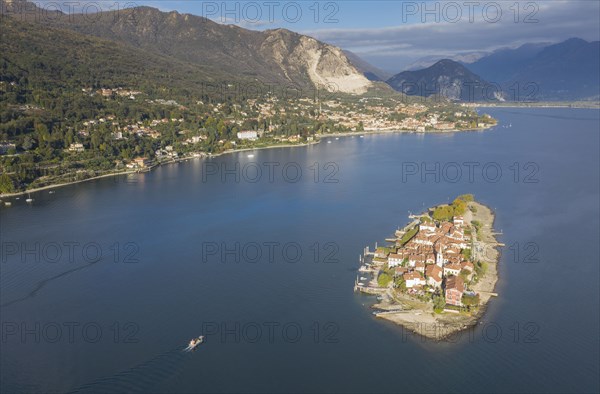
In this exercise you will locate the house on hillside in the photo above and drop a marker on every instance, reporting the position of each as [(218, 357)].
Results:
[(141, 162), (247, 135), (76, 147)]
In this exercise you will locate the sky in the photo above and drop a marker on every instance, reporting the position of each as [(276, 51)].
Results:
[(394, 34)]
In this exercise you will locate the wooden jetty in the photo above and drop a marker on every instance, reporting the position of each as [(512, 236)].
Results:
[(368, 289)]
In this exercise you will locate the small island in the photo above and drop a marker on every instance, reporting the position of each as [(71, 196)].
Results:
[(439, 271)]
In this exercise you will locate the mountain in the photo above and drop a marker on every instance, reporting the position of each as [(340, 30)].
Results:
[(502, 64), (531, 72), (275, 56), (370, 71), (563, 71), (446, 78), (74, 61), (428, 61)]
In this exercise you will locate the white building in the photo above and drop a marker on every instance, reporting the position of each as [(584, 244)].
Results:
[(247, 135), (413, 279), (427, 226), (452, 269), (394, 260), (76, 147)]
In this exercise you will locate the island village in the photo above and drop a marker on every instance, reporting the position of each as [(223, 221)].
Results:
[(439, 271)]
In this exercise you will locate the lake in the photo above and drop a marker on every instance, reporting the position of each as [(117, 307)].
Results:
[(103, 283)]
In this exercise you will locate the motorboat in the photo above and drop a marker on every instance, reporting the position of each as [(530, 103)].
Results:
[(194, 343)]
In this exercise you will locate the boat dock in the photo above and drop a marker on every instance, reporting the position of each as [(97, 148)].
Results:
[(368, 289), (392, 312), (489, 293), (400, 232)]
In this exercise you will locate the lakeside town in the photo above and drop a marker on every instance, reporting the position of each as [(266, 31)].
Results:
[(132, 131), (438, 272)]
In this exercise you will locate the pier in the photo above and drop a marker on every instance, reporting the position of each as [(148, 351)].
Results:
[(367, 266), (368, 289), (489, 293), (392, 312)]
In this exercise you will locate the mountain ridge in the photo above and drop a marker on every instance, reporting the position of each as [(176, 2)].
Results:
[(277, 56), (447, 78)]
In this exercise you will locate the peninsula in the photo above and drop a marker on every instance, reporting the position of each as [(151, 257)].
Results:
[(439, 271)]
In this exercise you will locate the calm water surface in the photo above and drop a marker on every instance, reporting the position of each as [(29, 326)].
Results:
[(290, 321)]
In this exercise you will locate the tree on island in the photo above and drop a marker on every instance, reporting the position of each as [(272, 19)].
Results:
[(384, 279), (439, 302), (443, 213), (400, 283), (470, 301), (459, 207), (465, 274), (466, 197)]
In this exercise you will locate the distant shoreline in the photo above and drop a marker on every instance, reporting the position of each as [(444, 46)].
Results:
[(537, 105), (206, 155), (396, 131)]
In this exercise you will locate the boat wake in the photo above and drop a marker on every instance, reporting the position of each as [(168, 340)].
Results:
[(41, 284), (142, 378)]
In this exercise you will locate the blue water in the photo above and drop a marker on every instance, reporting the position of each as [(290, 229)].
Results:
[(168, 271)]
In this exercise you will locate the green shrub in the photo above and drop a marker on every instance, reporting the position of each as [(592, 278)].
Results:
[(408, 235), (384, 279), (443, 213), (466, 197), (469, 301), (439, 302), (481, 268)]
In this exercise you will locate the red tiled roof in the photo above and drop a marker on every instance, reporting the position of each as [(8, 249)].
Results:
[(456, 283)]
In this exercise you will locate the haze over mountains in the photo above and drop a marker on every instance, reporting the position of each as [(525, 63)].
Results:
[(370, 71), (531, 72), (196, 49)]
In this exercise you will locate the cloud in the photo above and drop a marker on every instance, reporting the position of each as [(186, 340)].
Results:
[(393, 47)]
